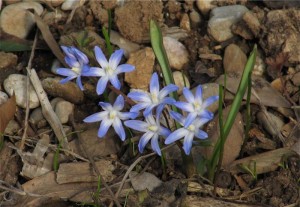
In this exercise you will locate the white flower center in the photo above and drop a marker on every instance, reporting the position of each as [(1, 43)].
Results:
[(109, 71), (112, 114), (76, 70), (154, 98), (197, 106), (153, 128), (191, 127)]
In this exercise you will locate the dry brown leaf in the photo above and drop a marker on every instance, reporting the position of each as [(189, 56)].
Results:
[(7, 111), (275, 64), (48, 37)]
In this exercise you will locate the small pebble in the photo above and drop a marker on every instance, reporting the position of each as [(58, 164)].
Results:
[(181, 81), (12, 128), (267, 125), (3, 97), (177, 53), (234, 59), (63, 110), (69, 5), (8, 63), (205, 6), (17, 84)]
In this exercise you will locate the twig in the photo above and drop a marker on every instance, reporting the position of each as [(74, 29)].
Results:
[(84, 150), (27, 91), (47, 109)]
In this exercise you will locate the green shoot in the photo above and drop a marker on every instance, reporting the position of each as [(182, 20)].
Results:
[(251, 169), (56, 157)]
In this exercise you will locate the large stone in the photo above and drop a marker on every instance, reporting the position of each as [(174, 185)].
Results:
[(143, 60), (17, 20), (68, 91), (234, 59), (8, 62), (221, 20), (177, 53), (17, 84)]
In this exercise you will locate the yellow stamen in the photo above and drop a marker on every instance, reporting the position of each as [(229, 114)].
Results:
[(152, 128), (112, 114), (76, 70), (191, 127)]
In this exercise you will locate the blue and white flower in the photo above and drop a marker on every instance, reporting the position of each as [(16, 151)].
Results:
[(152, 129), (109, 70), (156, 98), (195, 105), (111, 116), (78, 62), (193, 130)]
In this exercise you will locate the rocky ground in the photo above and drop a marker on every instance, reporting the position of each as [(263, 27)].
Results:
[(203, 41)]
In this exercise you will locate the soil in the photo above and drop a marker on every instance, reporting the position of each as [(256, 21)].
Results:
[(280, 33)]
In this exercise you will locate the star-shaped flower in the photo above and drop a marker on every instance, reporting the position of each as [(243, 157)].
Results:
[(78, 62), (156, 98), (152, 131), (111, 115), (193, 130), (195, 105), (109, 69)]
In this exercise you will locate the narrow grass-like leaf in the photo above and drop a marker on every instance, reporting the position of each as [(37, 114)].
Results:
[(233, 111), (107, 41), (56, 158)]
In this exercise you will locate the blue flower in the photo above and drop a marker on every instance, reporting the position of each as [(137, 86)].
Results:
[(109, 69), (152, 131), (78, 62), (195, 105), (111, 116), (193, 130), (156, 97)]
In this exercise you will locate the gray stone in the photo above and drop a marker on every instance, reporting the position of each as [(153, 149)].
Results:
[(12, 128), (17, 20), (221, 20), (144, 181), (234, 59), (8, 62), (205, 6), (63, 110), (296, 79), (3, 97), (17, 84)]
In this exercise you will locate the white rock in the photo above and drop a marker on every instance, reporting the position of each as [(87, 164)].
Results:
[(144, 181), (205, 6), (17, 20), (221, 20), (16, 83), (177, 53), (63, 110), (181, 81), (3, 97), (70, 4), (54, 2)]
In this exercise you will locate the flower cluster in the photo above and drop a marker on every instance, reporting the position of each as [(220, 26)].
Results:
[(152, 103)]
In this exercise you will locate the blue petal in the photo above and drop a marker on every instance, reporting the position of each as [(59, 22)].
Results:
[(84, 69), (138, 107), (167, 90), (159, 110), (115, 59), (176, 135), (125, 68), (188, 95), (184, 106), (101, 85), (139, 96), (72, 62), (119, 129), (155, 145), (137, 125), (198, 94), (210, 100), (201, 134), (164, 131), (168, 100), (65, 72), (96, 117), (104, 126), (82, 58), (189, 119), (95, 72), (115, 81), (144, 140), (101, 59), (154, 84), (148, 110), (119, 103), (187, 143), (106, 106), (206, 114), (177, 116), (79, 84), (68, 51), (128, 115), (63, 81)]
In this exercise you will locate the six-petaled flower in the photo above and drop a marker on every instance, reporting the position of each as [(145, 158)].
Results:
[(111, 116), (109, 69), (156, 98), (195, 105), (152, 129), (193, 130), (78, 62)]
